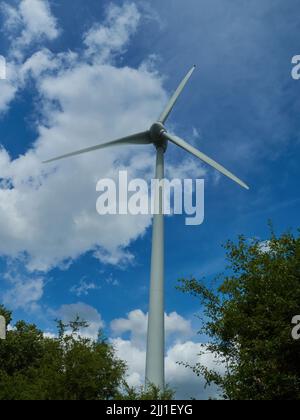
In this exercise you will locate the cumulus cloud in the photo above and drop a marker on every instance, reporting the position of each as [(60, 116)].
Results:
[(30, 21), (42, 61), (26, 23), (24, 292), (183, 380), (110, 37)]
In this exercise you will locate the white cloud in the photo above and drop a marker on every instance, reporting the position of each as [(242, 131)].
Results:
[(176, 324), (120, 257), (83, 288), (189, 168), (186, 383), (24, 292), (30, 21), (39, 62), (8, 91), (135, 359), (135, 324), (68, 313), (105, 39), (27, 23)]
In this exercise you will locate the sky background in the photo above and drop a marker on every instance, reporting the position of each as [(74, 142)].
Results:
[(103, 69)]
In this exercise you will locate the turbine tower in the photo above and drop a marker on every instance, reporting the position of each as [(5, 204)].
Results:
[(159, 137)]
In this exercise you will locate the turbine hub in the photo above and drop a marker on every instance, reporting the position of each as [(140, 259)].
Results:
[(156, 132)]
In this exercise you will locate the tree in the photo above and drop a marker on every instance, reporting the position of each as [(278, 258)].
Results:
[(69, 367), (247, 319)]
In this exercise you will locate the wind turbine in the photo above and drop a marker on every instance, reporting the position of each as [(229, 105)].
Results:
[(159, 137)]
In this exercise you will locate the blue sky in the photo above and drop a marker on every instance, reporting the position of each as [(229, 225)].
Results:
[(104, 69)]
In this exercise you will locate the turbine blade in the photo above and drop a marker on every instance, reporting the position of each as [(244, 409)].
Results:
[(187, 147), (175, 96), (139, 138)]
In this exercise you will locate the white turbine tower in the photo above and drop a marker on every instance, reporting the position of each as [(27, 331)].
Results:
[(159, 137)]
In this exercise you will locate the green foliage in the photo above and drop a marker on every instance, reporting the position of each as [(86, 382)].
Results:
[(151, 392), (248, 320), (69, 367)]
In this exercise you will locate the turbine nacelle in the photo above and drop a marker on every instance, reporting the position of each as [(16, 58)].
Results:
[(157, 132)]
